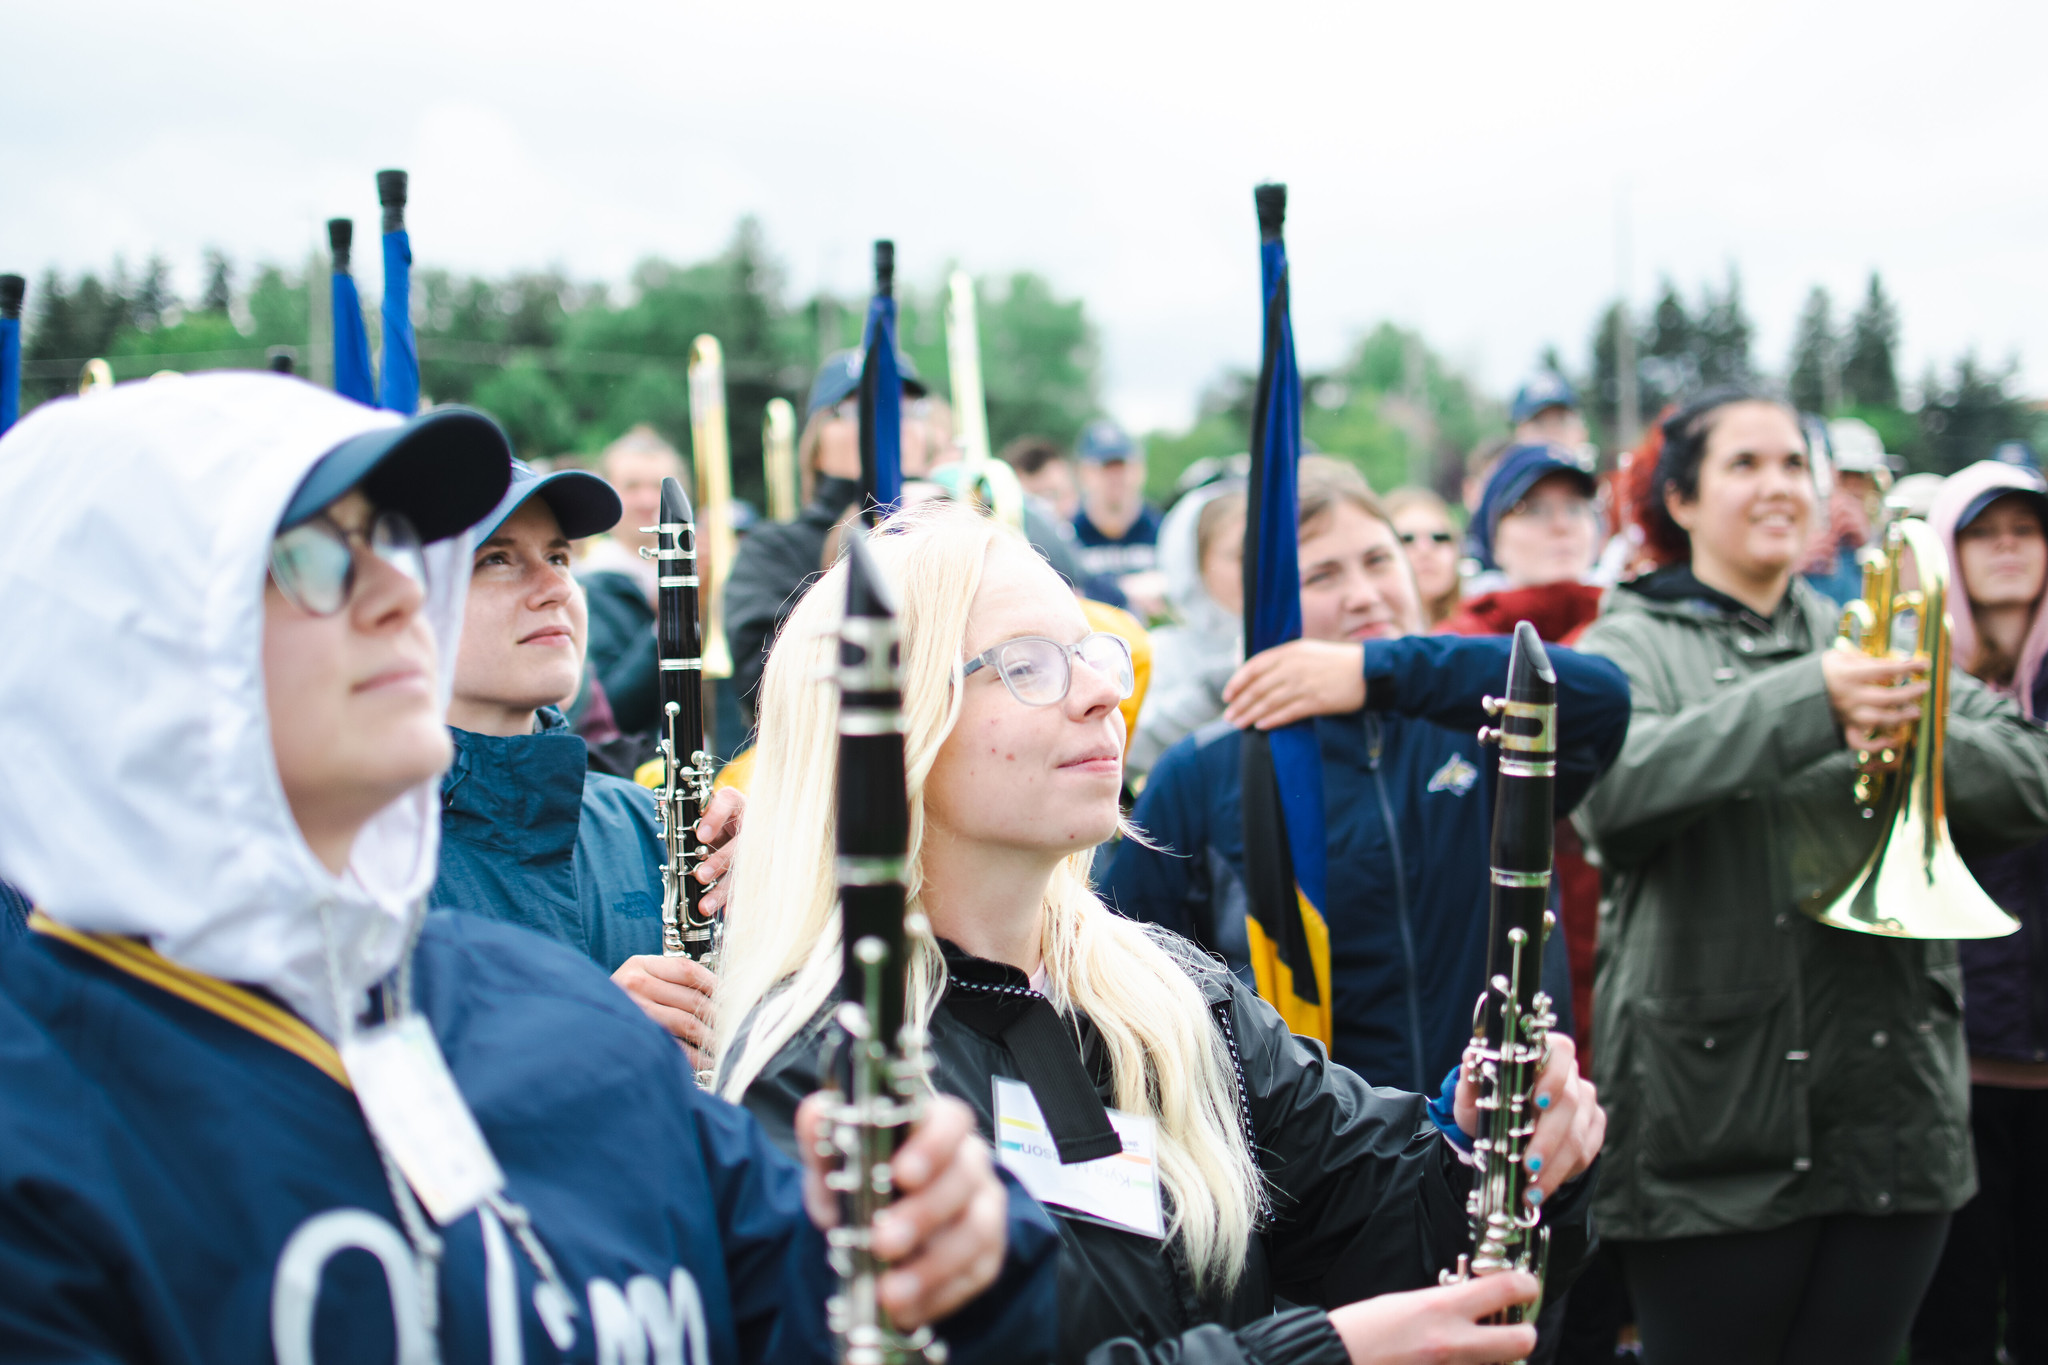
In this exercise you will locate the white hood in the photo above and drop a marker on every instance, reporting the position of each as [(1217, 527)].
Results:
[(138, 793), (1181, 562)]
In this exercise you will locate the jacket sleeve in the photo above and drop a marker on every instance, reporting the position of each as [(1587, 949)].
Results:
[(1162, 885), (1994, 769), (1444, 678), (1299, 1336), (1680, 760), (622, 648), (768, 576)]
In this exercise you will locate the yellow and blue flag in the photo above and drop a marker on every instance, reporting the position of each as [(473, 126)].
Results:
[(1284, 853)]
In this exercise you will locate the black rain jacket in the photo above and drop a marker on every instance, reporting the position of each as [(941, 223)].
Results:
[(1366, 1196)]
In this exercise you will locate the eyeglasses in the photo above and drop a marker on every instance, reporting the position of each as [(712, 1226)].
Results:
[(1039, 671), (1433, 537), (314, 563)]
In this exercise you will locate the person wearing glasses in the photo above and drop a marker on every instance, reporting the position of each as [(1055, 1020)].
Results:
[(1203, 1160), (1422, 520), (260, 1103)]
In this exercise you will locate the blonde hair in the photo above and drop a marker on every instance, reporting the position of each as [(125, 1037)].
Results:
[(781, 959)]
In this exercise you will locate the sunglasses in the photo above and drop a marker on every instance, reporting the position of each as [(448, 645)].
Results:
[(1433, 537), (314, 563), (1039, 671)]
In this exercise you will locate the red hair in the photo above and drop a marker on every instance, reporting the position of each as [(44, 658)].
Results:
[(1661, 542)]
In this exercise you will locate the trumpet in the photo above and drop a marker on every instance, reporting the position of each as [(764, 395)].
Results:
[(1913, 884)]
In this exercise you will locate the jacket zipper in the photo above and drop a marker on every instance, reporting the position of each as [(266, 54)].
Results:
[(1379, 782)]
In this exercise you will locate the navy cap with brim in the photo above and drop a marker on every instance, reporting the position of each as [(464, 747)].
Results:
[(839, 377), (1976, 506), (1520, 469), (444, 470), (583, 503)]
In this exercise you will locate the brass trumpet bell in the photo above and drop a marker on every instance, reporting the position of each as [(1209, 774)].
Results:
[(1914, 883)]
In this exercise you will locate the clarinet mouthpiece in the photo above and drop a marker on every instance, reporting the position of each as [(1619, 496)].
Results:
[(391, 188), (675, 504), (341, 234)]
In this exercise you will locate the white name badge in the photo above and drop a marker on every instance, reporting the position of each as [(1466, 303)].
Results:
[(406, 1092), (1122, 1190)]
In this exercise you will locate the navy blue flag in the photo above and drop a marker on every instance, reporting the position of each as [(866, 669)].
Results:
[(1285, 858), (12, 288), (400, 389), (351, 342), (881, 397)]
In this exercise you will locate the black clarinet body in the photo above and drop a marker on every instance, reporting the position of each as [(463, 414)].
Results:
[(686, 767), (877, 1074), (1512, 1020)]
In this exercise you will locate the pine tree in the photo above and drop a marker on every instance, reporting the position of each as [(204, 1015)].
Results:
[(1869, 376), (1669, 351), (220, 283), (152, 296), (1816, 356), (1724, 336), (1966, 419)]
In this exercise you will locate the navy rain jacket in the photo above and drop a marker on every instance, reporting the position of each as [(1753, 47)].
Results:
[(530, 836), (164, 1171), (1408, 797)]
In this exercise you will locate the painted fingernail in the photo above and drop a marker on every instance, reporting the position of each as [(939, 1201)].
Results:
[(1535, 1164), (1535, 1197), (1543, 1101)]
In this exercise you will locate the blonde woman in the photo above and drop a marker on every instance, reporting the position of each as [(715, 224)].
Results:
[(1277, 1172)]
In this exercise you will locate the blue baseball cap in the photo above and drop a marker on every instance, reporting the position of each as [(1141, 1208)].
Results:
[(582, 502), (444, 470), (1103, 441), (839, 377), (1519, 469), (1547, 389)]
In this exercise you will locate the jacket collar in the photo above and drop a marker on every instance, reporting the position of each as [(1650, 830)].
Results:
[(532, 785), (1676, 591)]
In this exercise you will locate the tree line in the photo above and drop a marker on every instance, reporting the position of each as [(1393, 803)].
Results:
[(568, 365)]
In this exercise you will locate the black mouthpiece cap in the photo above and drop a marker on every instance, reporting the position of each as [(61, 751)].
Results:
[(12, 288), (1272, 203), (391, 188), (675, 504), (341, 232), (885, 268), (283, 359)]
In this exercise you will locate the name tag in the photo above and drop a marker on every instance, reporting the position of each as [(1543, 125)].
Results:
[(1122, 1190), (406, 1092)]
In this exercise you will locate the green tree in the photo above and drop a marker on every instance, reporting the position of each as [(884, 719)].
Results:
[(1815, 379), (1723, 335), (1869, 375), (219, 293), (1964, 419), (1669, 351)]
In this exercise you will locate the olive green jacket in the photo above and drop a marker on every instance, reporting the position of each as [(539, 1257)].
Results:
[(1759, 1067)]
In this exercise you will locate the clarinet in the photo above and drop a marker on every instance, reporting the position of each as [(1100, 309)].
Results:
[(878, 1067), (1512, 1020), (686, 769)]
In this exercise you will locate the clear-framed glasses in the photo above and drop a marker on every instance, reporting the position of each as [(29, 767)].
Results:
[(1039, 671), (314, 563)]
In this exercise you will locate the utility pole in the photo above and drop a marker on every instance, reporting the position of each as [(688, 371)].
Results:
[(1628, 396)]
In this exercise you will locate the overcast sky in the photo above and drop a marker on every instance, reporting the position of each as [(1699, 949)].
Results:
[(1457, 167)]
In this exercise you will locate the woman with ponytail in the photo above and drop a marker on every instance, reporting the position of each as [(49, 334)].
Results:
[(1279, 1173)]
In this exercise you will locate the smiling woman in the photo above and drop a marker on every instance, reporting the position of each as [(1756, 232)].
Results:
[(1790, 1101)]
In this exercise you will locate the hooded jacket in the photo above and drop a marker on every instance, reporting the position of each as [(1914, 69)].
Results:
[(1408, 797), (1757, 1066), (2005, 980), (1191, 660), (530, 836), (1364, 1194), (185, 1172)]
